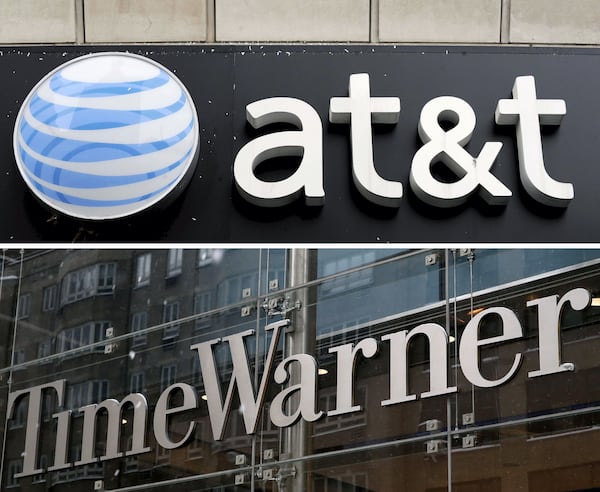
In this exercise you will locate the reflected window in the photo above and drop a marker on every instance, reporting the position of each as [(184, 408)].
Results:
[(81, 394), (94, 471), (233, 289), (352, 280), (49, 298), (196, 374), (19, 357), (548, 397), (136, 384), (106, 277), (174, 262), (99, 390), (168, 375), (348, 482), (139, 322), (19, 415), (24, 306), (44, 348), (163, 456), (14, 467), (131, 462), (43, 464), (202, 304), (48, 406), (171, 313), (352, 420), (83, 335), (142, 269), (194, 447), (493, 267), (205, 257), (87, 282), (348, 327)]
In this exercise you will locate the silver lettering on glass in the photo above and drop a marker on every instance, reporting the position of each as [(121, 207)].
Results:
[(114, 409), (447, 146), (163, 410), (34, 417), (361, 110), (218, 408), (298, 400), (307, 390), (438, 365), (549, 314), (470, 344), (527, 112), (307, 142), (346, 363)]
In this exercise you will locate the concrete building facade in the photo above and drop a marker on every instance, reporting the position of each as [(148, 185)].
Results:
[(504, 22)]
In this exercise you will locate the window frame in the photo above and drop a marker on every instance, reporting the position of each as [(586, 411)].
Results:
[(171, 328), (86, 282), (49, 298), (143, 269), (174, 262)]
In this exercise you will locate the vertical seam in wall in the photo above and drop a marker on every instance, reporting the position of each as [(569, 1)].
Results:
[(505, 21), (79, 22), (211, 21), (374, 22)]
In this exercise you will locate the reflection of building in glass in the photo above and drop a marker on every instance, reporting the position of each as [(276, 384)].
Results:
[(116, 322), (109, 323)]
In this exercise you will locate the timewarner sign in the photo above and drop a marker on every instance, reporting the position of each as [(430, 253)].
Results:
[(314, 144), (296, 400)]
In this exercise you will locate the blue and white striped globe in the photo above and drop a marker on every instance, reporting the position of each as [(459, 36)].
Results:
[(106, 135)]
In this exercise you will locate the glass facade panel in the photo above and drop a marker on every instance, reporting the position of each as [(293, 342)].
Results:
[(365, 291), (323, 370)]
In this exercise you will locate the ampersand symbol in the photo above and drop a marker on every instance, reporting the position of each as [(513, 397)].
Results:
[(447, 146)]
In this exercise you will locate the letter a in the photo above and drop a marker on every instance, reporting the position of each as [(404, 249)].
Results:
[(306, 142)]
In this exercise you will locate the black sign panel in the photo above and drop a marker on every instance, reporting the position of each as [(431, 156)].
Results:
[(222, 80)]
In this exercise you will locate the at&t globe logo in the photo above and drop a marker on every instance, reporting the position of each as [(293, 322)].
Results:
[(107, 135)]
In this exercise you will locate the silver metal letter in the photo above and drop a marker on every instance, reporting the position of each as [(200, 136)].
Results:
[(438, 363), (162, 411), (34, 417), (307, 389), (470, 343), (113, 432), (346, 361), (63, 431), (549, 313)]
